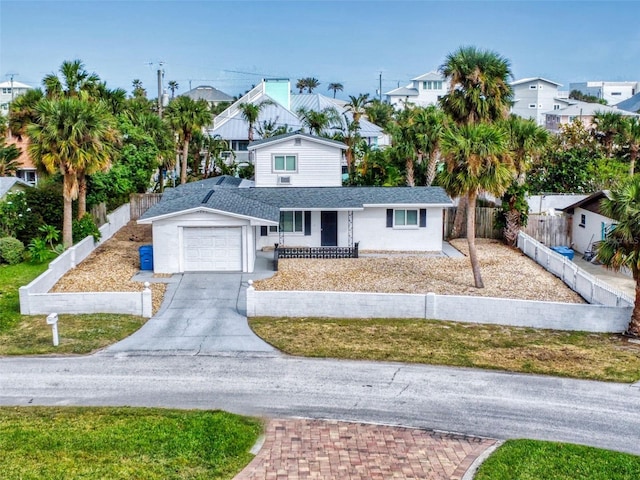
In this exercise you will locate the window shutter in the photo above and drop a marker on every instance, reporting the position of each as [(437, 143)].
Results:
[(263, 231), (389, 217), (423, 217), (307, 223)]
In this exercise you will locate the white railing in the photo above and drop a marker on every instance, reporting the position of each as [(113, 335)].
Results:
[(230, 112), (592, 289)]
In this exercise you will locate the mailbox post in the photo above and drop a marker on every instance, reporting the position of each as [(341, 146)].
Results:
[(52, 319)]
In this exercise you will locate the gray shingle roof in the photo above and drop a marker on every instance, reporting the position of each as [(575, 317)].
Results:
[(266, 203), (631, 104), (208, 93), (284, 136), (6, 183), (429, 76)]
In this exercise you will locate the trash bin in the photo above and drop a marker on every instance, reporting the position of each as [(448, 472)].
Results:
[(564, 251), (146, 257)]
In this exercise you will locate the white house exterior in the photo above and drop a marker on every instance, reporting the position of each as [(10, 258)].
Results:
[(218, 224), (578, 110), (533, 97), (588, 224), (10, 90), (612, 92), (425, 90)]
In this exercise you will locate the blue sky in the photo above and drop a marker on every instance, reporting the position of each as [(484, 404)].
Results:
[(351, 42)]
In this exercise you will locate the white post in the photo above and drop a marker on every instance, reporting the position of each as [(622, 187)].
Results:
[(147, 304), (251, 301), (52, 319)]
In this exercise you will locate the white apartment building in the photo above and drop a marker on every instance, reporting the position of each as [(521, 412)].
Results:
[(424, 90), (612, 92), (533, 97), (8, 91)]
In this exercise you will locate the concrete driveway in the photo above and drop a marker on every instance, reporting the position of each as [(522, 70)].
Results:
[(202, 314)]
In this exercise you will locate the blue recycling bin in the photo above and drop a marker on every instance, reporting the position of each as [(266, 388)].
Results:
[(146, 257), (564, 251)]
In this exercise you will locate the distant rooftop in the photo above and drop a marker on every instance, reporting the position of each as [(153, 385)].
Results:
[(208, 93)]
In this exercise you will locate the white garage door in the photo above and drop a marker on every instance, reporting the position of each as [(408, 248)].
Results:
[(212, 249)]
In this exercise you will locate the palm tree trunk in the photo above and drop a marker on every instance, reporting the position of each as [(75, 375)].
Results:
[(632, 161), (431, 168), (634, 324), (471, 239), (183, 163), (459, 218), (409, 176), (161, 179), (67, 212), (82, 195)]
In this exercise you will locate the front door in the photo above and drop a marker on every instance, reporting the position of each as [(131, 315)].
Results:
[(329, 229)]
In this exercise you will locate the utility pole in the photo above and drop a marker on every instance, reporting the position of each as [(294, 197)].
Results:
[(160, 75), (380, 87), (11, 75)]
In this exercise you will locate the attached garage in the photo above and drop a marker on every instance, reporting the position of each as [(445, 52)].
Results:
[(213, 249)]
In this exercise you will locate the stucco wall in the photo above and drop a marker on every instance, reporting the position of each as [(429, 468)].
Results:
[(591, 232)]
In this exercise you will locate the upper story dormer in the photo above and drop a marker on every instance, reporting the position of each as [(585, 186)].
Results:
[(297, 160), (425, 90)]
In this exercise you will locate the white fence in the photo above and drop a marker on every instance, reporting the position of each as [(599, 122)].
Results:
[(592, 289), (34, 299), (499, 311)]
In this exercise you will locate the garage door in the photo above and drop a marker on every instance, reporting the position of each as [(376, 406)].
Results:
[(212, 249)]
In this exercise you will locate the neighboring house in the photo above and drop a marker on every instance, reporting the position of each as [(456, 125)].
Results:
[(588, 223), (582, 111), (205, 92), (423, 91), (551, 203), (8, 91), (612, 92), (11, 184), (631, 104), (533, 97), (218, 224), (27, 170), (281, 111)]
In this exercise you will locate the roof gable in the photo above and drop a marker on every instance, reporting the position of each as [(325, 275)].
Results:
[(288, 136)]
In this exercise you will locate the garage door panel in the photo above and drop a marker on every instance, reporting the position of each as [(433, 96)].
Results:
[(212, 249)]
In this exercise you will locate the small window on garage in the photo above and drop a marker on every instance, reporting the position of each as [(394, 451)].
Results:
[(284, 163), (405, 218)]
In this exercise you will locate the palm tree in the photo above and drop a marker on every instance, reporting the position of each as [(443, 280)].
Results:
[(477, 160), (9, 155), (301, 84), (479, 91), (75, 79), (357, 106), (311, 83), (317, 122), (173, 86), (22, 111), (606, 126), (138, 89), (251, 112), (620, 247), (185, 116), (336, 87), (116, 99), (429, 125), (71, 135), (629, 136)]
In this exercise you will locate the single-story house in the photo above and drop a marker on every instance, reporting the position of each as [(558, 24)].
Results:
[(11, 184), (589, 225)]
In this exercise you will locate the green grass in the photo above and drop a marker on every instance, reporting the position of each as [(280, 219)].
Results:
[(30, 335), (123, 443), (536, 460), (569, 354)]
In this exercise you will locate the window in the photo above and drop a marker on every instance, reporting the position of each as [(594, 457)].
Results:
[(616, 93), (239, 145), (583, 220), (273, 229), (532, 105), (284, 163), (532, 87), (405, 218), (292, 222), (6, 90), (556, 107), (432, 85)]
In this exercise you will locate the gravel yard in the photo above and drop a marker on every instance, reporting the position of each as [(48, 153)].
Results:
[(506, 272), (111, 266)]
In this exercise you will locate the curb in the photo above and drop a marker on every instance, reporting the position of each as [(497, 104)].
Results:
[(471, 471)]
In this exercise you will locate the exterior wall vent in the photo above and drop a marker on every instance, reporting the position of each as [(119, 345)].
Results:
[(284, 180)]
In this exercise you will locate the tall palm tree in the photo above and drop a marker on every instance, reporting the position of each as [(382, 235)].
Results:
[(629, 136), (251, 112), (477, 159), (9, 155), (621, 248), (318, 122), (74, 79), (606, 126), (138, 90), (301, 84), (336, 87), (71, 135), (22, 111), (357, 105), (185, 116), (311, 84), (173, 86), (429, 125), (479, 91)]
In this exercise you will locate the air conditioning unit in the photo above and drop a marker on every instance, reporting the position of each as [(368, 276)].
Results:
[(284, 180)]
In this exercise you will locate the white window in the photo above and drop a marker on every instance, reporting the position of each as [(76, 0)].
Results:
[(6, 90), (292, 222), (284, 163), (273, 229), (432, 85), (405, 218), (532, 105), (532, 87)]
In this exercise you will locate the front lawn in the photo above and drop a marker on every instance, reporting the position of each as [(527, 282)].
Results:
[(536, 460), (123, 443), (569, 354), (29, 334)]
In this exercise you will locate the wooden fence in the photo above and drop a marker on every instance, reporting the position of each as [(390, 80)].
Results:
[(99, 214), (549, 230), (141, 202), (485, 223)]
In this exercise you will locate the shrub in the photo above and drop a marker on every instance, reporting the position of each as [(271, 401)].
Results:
[(11, 250), (84, 227)]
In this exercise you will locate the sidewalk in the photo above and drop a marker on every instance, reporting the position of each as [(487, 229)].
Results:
[(617, 280), (315, 449)]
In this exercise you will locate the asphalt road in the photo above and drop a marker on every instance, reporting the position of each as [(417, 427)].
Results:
[(474, 402)]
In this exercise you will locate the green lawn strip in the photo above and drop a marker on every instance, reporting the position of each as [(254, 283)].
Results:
[(537, 460), (123, 443), (30, 335), (570, 354)]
